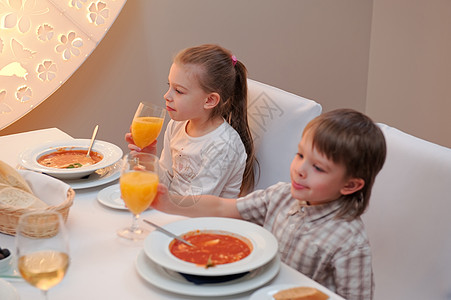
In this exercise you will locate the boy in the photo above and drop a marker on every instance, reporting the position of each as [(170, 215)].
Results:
[(316, 217)]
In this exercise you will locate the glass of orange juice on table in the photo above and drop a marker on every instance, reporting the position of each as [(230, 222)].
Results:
[(42, 248), (147, 123), (138, 184)]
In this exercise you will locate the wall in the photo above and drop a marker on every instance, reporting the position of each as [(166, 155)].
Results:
[(410, 67), (318, 49)]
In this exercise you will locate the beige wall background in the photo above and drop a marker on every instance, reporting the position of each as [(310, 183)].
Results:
[(388, 58), (410, 67)]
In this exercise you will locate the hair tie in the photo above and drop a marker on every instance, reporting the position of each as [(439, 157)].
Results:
[(234, 60)]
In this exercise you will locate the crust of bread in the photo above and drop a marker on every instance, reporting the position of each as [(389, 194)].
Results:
[(10, 176), (300, 293), (17, 198)]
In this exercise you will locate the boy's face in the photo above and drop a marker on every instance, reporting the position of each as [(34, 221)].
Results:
[(315, 178), (185, 98)]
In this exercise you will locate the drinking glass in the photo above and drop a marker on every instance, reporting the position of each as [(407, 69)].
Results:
[(42, 249), (147, 123), (138, 184)]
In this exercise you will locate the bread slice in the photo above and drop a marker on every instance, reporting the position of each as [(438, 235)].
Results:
[(17, 198), (300, 293), (10, 176)]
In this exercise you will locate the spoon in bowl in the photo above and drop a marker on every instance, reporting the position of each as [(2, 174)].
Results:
[(161, 229), (92, 140)]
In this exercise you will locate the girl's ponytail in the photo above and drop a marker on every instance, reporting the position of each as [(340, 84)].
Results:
[(236, 115)]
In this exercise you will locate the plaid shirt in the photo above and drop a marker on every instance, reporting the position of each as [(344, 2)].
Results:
[(334, 252)]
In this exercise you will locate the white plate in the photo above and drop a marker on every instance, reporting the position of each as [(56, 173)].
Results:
[(174, 282), (7, 291), (111, 154), (156, 246), (99, 177), (111, 197), (267, 292)]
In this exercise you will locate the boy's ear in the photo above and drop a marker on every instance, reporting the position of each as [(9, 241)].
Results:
[(352, 185), (212, 100)]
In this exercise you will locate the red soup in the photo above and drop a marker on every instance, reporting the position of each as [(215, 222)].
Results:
[(68, 159), (211, 248)]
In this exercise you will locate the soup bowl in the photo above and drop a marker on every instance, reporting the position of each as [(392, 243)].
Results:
[(262, 243), (106, 153)]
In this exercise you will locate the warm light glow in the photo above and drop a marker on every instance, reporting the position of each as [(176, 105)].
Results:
[(13, 69), (42, 43)]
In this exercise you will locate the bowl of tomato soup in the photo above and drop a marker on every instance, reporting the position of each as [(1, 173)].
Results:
[(223, 246), (68, 159), (211, 248)]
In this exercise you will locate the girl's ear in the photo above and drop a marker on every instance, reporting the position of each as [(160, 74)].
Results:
[(352, 185), (212, 100)]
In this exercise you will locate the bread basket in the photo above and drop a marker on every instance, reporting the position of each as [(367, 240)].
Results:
[(9, 215)]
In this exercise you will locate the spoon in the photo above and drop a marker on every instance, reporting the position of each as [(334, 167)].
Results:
[(161, 229), (92, 139)]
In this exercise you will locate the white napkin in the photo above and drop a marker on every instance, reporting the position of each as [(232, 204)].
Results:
[(49, 189)]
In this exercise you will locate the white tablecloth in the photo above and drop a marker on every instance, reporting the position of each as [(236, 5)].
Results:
[(102, 264)]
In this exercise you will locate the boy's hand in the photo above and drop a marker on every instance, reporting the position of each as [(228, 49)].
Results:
[(200, 205), (168, 202), (162, 202)]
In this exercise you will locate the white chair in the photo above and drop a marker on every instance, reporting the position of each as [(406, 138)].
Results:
[(277, 119), (409, 220)]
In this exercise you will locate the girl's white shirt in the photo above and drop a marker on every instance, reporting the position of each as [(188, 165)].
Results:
[(212, 164)]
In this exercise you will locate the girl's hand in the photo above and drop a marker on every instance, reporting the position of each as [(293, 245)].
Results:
[(131, 143), (152, 148)]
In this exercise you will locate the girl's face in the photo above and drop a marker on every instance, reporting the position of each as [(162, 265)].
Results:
[(185, 98), (315, 178)]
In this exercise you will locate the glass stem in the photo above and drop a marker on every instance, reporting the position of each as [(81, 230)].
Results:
[(46, 294), (135, 226)]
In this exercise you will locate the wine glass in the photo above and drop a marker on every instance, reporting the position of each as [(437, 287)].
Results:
[(42, 248), (147, 123), (138, 184)]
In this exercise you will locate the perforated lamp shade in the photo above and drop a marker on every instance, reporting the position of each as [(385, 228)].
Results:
[(42, 43)]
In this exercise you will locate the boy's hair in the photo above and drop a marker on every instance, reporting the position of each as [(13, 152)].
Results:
[(223, 74), (350, 138)]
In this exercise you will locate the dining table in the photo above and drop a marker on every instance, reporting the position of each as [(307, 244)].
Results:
[(103, 265)]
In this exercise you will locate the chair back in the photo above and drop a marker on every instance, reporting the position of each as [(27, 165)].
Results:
[(276, 119), (408, 220)]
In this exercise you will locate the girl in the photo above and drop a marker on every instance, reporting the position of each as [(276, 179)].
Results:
[(208, 148), (316, 216)]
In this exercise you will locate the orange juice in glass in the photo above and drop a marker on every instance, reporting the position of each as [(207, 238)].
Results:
[(138, 184), (147, 124), (138, 189)]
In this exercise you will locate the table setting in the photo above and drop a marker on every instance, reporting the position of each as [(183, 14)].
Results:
[(105, 171), (108, 250)]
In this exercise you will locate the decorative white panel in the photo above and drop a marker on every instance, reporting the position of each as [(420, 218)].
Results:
[(42, 43)]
